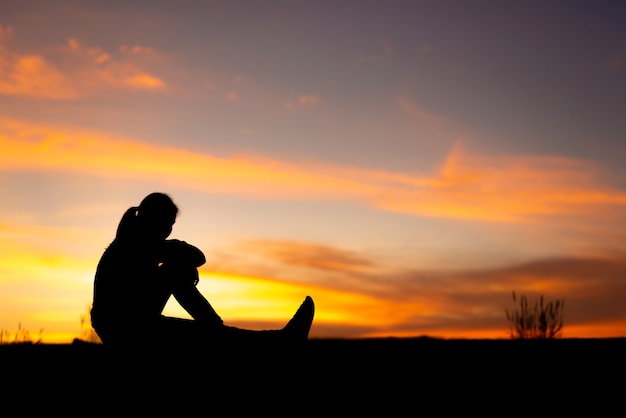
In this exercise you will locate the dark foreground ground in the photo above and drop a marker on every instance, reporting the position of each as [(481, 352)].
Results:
[(326, 377)]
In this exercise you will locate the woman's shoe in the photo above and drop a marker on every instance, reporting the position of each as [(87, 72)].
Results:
[(298, 327)]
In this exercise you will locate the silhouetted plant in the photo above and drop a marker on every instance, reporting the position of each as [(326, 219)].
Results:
[(539, 321)]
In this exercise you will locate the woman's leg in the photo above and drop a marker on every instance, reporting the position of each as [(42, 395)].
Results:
[(208, 327), (297, 329), (191, 331)]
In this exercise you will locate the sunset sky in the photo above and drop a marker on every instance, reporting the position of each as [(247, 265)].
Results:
[(408, 164)]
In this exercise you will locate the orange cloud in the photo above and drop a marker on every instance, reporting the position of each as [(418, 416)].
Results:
[(26, 147), (99, 67), (79, 72), (507, 188), (467, 186), (303, 100), (30, 75), (125, 75)]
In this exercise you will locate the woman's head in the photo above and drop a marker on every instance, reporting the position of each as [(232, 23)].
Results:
[(157, 213), (152, 219)]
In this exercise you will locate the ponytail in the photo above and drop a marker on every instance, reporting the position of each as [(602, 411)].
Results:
[(127, 227), (137, 220)]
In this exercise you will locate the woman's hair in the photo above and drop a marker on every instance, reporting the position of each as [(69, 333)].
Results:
[(154, 206), (158, 205)]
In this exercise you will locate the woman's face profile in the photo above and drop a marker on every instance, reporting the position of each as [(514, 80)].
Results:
[(157, 215), (159, 227), (164, 229)]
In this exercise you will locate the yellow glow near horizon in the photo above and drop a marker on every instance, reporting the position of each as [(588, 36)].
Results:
[(249, 298), (43, 286), (267, 301)]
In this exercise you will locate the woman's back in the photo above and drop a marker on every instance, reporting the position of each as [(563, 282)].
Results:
[(126, 288)]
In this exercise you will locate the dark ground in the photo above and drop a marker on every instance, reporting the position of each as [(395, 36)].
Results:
[(328, 376)]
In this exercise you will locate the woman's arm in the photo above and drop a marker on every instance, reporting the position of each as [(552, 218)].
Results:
[(179, 252)]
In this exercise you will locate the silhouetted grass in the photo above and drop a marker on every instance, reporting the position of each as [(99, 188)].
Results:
[(21, 336), (539, 321), (87, 333)]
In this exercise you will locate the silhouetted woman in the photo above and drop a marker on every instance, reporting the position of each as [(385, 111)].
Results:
[(141, 269)]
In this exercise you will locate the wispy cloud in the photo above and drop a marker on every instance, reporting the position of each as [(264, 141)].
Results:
[(73, 71), (317, 256), (507, 188), (99, 67), (466, 186), (302, 101)]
